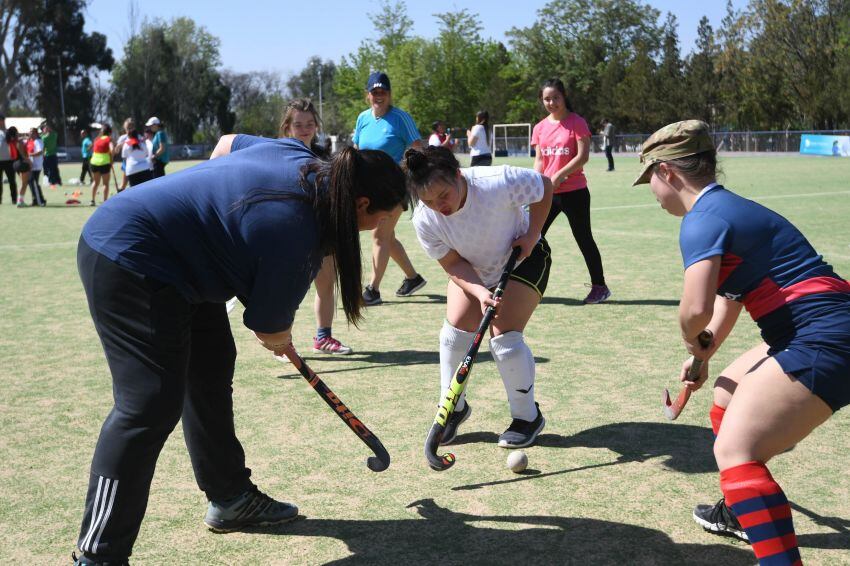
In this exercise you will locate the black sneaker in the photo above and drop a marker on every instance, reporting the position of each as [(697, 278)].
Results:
[(251, 509), (719, 519), (83, 561), (522, 433), (371, 297), (453, 423), (410, 286)]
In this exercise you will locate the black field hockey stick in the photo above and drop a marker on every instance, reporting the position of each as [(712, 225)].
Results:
[(673, 408), (461, 378), (377, 463)]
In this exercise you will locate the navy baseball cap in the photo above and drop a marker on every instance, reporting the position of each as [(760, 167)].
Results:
[(378, 80)]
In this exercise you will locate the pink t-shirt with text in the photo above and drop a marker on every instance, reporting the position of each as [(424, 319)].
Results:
[(557, 144)]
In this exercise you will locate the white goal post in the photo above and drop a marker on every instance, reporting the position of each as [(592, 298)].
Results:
[(511, 139)]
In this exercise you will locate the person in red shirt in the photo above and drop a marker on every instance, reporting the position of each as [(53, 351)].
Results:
[(562, 142)]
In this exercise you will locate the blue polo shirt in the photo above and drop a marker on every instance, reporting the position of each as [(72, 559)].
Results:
[(392, 133), (161, 139), (765, 263), (194, 230)]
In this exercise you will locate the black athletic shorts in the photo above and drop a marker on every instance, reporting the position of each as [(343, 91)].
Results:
[(102, 169), (534, 270)]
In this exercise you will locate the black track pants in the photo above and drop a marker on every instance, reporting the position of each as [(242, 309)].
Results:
[(576, 205), (168, 359)]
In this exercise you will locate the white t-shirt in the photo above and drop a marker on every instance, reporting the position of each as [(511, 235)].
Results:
[(37, 160), (136, 158), (480, 146), (434, 140), (491, 218)]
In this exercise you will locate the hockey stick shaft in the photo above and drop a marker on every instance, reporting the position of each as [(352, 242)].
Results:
[(461, 378), (381, 460)]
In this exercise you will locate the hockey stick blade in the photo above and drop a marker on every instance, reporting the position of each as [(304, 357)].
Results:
[(377, 463), (672, 409)]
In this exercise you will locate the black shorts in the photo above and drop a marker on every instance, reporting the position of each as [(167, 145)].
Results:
[(534, 270), (21, 166), (102, 169)]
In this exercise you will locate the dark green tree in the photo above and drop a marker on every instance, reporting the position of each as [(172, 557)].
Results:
[(60, 55), (701, 76)]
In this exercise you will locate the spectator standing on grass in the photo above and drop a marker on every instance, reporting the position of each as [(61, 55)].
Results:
[(738, 254), (160, 146), (85, 152), (439, 137), (608, 142), (134, 153), (35, 150), (149, 144), (387, 128), (301, 122), (157, 265), (51, 155), (20, 160), (128, 125), (478, 137), (101, 162), (562, 142), (7, 165)]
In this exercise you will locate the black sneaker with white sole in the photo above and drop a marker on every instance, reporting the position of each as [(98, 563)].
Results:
[(410, 286), (522, 433), (453, 423), (719, 519), (251, 509)]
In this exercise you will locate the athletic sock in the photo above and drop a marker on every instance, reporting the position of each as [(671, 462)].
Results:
[(516, 366), (323, 332), (453, 345), (763, 511), (716, 415)]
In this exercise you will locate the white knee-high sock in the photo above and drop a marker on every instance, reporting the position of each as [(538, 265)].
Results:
[(453, 345), (516, 366)]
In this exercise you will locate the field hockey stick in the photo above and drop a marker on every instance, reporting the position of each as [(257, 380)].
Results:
[(114, 180), (460, 379), (377, 463), (672, 409)]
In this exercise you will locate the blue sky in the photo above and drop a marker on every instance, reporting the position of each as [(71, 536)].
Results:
[(269, 35)]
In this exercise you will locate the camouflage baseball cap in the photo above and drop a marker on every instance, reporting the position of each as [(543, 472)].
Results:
[(679, 139)]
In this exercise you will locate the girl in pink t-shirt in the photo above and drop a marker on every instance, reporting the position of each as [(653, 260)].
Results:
[(562, 142)]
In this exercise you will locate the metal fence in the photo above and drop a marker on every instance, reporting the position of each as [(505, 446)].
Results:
[(766, 141)]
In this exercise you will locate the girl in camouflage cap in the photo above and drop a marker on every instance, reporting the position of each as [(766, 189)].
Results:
[(738, 254)]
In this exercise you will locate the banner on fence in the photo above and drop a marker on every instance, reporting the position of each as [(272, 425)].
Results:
[(838, 146)]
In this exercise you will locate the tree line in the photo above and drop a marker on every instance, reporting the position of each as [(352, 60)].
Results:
[(773, 65)]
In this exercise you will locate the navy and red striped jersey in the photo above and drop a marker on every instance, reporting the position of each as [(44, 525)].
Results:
[(766, 263)]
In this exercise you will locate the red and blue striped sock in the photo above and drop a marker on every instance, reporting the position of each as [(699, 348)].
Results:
[(763, 511), (716, 415)]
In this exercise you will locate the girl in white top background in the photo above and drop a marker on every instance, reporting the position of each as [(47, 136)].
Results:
[(469, 220), (136, 157), (478, 138)]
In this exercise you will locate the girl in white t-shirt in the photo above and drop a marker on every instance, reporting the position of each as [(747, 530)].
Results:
[(478, 138), (137, 165), (469, 220)]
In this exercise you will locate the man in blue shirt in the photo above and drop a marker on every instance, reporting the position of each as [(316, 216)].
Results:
[(387, 128)]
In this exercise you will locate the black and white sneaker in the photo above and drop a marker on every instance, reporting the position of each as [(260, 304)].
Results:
[(453, 423), (371, 297), (522, 433), (251, 509), (410, 286), (718, 518)]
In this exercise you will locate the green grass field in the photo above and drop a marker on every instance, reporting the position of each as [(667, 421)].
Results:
[(611, 481)]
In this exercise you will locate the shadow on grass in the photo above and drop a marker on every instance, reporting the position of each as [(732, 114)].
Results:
[(570, 302), (442, 536), (417, 299), (839, 540), (684, 448), (384, 360)]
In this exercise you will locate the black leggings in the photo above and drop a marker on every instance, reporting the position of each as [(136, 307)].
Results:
[(576, 205), (169, 359)]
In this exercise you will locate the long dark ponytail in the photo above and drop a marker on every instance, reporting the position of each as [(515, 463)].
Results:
[(339, 182)]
